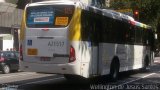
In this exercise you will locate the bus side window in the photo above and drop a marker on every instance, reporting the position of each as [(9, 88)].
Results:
[(85, 24), (131, 34)]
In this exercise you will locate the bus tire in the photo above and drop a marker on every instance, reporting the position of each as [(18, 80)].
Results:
[(68, 77), (114, 71)]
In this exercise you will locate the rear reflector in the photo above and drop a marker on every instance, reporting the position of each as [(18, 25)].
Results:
[(72, 55)]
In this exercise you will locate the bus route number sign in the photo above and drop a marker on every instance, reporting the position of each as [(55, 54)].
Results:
[(61, 21)]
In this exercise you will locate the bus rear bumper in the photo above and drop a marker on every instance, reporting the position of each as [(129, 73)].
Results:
[(67, 68)]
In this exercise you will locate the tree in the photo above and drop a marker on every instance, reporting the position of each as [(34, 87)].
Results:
[(149, 12)]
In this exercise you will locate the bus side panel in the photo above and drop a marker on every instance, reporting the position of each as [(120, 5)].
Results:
[(133, 60), (80, 31), (106, 54), (135, 56), (81, 47), (94, 61), (86, 62), (89, 45)]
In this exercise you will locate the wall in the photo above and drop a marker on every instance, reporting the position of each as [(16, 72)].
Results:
[(10, 19)]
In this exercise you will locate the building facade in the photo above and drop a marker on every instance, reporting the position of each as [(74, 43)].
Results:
[(10, 20)]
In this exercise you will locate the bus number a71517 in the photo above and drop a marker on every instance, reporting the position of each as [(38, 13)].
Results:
[(56, 43)]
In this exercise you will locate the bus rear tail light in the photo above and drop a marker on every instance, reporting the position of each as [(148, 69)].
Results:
[(72, 55), (21, 53)]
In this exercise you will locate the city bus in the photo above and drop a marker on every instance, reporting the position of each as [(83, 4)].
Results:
[(74, 39)]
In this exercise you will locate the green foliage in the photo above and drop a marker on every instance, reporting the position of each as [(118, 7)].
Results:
[(124, 4), (150, 14), (149, 10)]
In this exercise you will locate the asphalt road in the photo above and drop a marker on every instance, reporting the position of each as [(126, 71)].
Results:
[(132, 80)]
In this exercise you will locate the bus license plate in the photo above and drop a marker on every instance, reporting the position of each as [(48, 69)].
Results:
[(45, 59)]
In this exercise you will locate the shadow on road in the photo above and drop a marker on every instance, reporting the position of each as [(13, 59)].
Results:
[(68, 85)]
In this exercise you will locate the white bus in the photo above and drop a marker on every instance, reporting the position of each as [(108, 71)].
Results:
[(74, 39)]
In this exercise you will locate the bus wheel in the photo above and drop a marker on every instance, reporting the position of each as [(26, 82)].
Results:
[(68, 77), (114, 71)]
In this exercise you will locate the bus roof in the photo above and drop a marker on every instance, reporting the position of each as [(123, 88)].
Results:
[(106, 12), (117, 15), (67, 2), (121, 16)]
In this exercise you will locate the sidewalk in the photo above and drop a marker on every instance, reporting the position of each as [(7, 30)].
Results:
[(157, 60)]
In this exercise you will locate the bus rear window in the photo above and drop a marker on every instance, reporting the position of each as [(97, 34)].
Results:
[(48, 16)]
